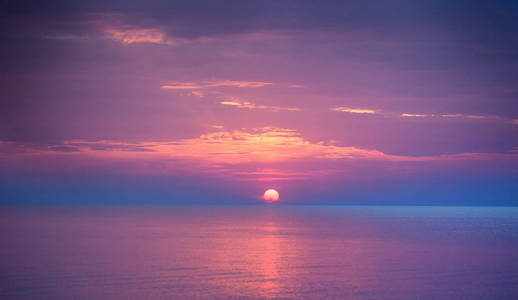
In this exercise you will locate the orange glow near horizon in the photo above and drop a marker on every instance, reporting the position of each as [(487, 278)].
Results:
[(244, 154)]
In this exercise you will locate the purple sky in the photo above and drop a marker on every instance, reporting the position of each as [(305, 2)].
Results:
[(389, 102)]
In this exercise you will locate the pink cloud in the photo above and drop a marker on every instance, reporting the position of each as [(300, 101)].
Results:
[(132, 35), (355, 110), (405, 115), (250, 105), (176, 85)]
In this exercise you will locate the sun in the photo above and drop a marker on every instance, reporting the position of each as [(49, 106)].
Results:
[(271, 195)]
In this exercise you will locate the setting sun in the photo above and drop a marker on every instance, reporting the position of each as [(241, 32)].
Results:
[(271, 195)]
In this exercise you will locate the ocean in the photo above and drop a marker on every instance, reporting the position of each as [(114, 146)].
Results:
[(258, 252)]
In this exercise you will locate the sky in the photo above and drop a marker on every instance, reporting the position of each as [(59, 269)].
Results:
[(213, 102)]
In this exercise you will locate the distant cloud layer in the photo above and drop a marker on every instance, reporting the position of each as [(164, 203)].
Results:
[(219, 148)]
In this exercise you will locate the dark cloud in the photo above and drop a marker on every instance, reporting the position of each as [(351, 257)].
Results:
[(490, 19)]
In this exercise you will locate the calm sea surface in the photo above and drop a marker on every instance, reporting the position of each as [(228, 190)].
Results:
[(256, 252)]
